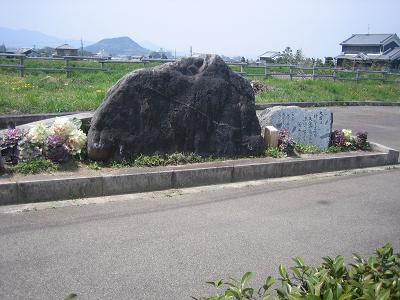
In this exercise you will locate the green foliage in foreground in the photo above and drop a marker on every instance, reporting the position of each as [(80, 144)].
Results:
[(377, 277), (307, 149), (334, 149), (274, 152), (34, 166), (153, 161)]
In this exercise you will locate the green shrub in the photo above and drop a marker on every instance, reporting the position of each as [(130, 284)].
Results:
[(377, 277), (274, 152), (34, 166), (334, 149), (307, 149)]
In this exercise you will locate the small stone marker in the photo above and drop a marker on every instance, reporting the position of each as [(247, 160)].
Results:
[(305, 126), (271, 136)]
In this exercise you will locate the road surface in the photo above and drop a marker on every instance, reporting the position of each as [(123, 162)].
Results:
[(165, 245)]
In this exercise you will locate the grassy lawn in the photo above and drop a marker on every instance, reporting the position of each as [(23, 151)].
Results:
[(40, 92), (281, 90)]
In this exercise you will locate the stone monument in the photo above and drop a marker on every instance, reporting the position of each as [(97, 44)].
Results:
[(305, 126), (192, 105)]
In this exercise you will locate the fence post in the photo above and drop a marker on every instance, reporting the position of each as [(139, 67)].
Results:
[(102, 65), (266, 71), (67, 68), (334, 74), (241, 68), (290, 73), (22, 66), (357, 75), (384, 73), (313, 72)]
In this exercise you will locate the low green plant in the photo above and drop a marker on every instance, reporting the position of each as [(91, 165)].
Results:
[(274, 152), (307, 149), (377, 277), (34, 166), (168, 159), (334, 149), (94, 165)]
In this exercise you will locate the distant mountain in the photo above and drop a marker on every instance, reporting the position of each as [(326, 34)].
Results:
[(18, 38), (118, 46)]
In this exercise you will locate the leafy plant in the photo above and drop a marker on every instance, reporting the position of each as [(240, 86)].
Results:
[(334, 149), (361, 141), (377, 277), (9, 144), (34, 166), (307, 149), (285, 142), (94, 165), (274, 152)]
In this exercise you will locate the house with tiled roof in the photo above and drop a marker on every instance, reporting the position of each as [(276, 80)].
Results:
[(66, 50), (366, 49)]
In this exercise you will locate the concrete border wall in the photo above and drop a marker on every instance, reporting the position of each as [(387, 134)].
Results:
[(28, 191)]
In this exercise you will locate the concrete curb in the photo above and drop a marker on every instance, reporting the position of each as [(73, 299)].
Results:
[(17, 120), (28, 191), (328, 103)]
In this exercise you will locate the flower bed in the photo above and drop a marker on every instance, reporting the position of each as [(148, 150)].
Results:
[(45, 148), (341, 141), (57, 143)]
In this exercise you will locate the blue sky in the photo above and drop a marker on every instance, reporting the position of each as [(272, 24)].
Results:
[(226, 27)]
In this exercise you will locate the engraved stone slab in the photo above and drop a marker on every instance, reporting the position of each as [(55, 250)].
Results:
[(305, 126)]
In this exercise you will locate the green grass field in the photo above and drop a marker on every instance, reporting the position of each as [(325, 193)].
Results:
[(40, 92)]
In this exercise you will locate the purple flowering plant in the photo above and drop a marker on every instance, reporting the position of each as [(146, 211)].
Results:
[(346, 142), (285, 142), (56, 150), (9, 144)]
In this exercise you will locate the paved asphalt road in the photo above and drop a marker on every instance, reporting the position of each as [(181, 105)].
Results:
[(166, 245)]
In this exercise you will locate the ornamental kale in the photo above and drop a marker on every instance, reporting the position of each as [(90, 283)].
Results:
[(338, 139), (361, 140), (344, 140), (285, 143), (56, 150), (9, 145)]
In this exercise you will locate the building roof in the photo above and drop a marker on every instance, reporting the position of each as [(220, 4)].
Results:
[(66, 47), (270, 54), (23, 50), (368, 39), (391, 54)]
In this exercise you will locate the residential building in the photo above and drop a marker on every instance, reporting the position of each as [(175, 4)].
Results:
[(66, 50), (367, 49)]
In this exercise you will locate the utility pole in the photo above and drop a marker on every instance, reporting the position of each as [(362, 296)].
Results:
[(191, 51), (81, 47)]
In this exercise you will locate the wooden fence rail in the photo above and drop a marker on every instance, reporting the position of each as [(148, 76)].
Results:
[(251, 70)]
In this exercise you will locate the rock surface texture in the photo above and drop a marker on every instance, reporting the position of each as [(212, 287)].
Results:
[(193, 105)]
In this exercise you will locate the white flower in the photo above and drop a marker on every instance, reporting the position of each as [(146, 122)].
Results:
[(39, 133), (76, 141), (62, 127), (347, 134)]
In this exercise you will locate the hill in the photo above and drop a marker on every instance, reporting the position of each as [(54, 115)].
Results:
[(118, 46), (28, 38)]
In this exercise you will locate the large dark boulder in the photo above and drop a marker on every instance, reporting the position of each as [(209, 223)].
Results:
[(191, 105)]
